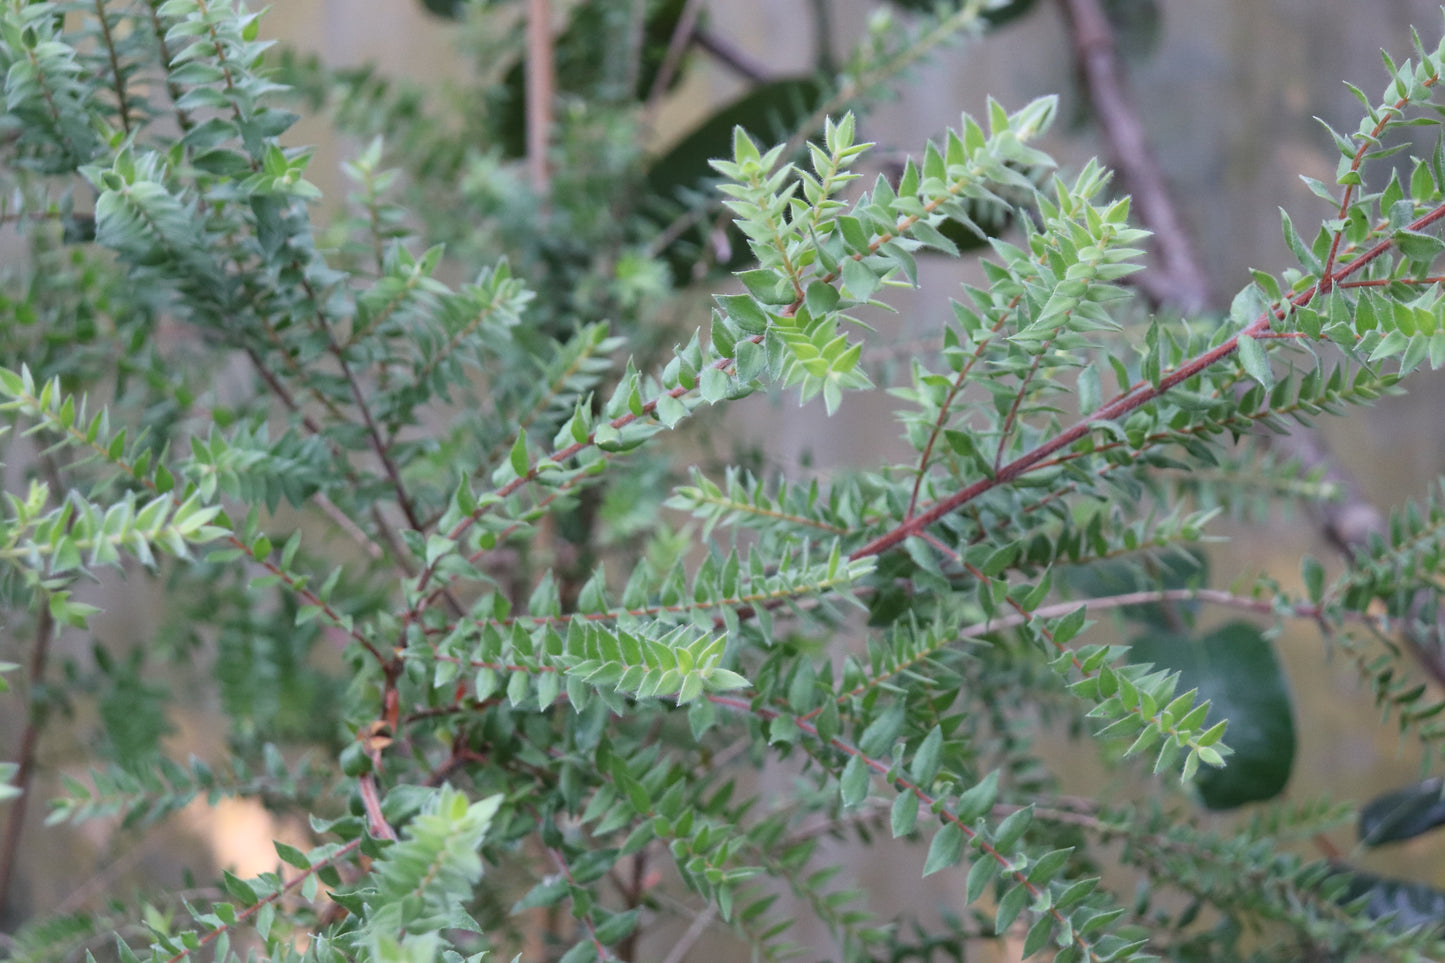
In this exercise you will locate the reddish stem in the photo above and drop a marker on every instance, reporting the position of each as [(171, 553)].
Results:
[(1136, 397)]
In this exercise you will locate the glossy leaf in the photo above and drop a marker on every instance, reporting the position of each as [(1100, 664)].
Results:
[(1235, 668), (1403, 814)]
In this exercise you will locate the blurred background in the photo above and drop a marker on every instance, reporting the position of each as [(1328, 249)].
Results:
[(1228, 91)]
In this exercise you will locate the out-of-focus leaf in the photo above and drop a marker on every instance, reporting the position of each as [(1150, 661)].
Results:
[(995, 16), (585, 55), (1138, 25), (1406, 904), (1175, 571), (1235, 668), (772, 111), (1404, 813), (450, 9)]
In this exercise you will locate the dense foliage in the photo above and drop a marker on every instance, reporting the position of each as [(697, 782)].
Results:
[(433, 542)]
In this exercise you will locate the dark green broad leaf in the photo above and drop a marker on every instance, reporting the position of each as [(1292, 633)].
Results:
[(771, 112), (78, 228), (1235, 668), (1404, 813), (1137, 25), (586, 59), (133, 710), (887, 604), (1174, 571), (1405, 904), (995, 16), (451, 9)]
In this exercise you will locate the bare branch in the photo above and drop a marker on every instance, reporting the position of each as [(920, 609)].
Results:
[(541, 85), (1178, 280)]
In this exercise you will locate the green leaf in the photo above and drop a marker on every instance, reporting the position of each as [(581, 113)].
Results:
[(904, 816), (1313, 574), (979, 799), (518, 456), (1418, 246), (743, 311), (618, 926), (1009, 908), (768, 286), (945, 849), (714, 385), (583, 952), (752, 360), (670, 411), (549, 892), (1236, 670), (926, 759), (983, 871), (1012, 828), (744, 150), (882, 732), (1256, 363), (291, 855), (238, 888), (1038, 935), (860, 279), (1406, 905), (1046, 867), (934, 238), (821, 298), (853, 784), (1403, 813)]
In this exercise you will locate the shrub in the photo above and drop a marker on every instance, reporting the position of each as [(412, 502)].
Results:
[(316, 438)]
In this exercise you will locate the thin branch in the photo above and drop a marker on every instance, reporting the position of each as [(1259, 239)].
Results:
[(904, 784), (823, 32), (1347, 522), (378, 445), (1179, 280), (183, 117), (123, 106), (29, 739), (344, 522), (1011, 419), (683, 34), (1135, 397), (376, 822), (328, 507), (245, 915), (694, 932), (541, 85), (945, 410), (601, 951), (734, 58), (636, 44)]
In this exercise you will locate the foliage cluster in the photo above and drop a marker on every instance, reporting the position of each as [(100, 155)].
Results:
[(428, 543)]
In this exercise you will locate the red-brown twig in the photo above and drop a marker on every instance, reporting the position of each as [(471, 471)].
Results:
[(25, 758), (541, 85), (1138, 395), (245, 915), (376, 822), (1179, 280)]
